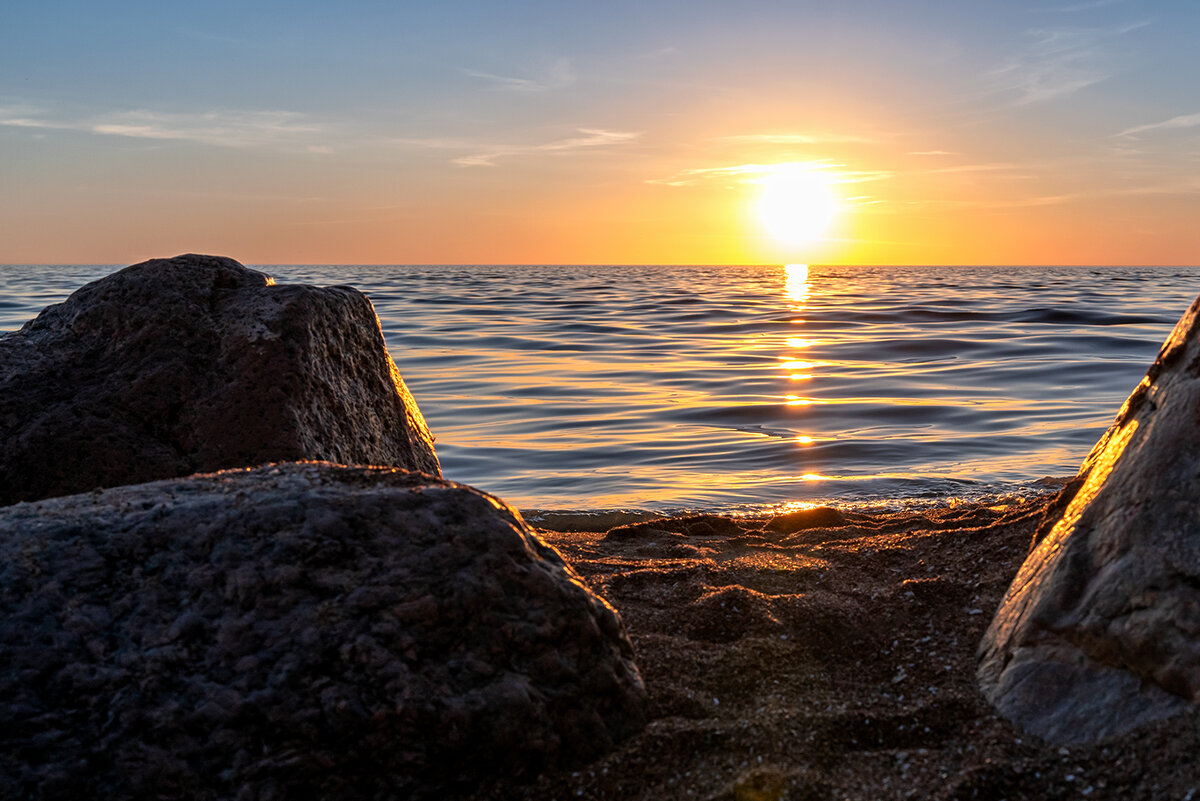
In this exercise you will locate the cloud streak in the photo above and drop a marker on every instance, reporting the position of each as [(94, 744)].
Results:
[(1185, 187), (1183, 121), (1077, 7), (591, 139), (754, 173), (797, 139), (236, 129), (991, 166), (217, 128), (1059, 61), (559, 76), (288, 131)]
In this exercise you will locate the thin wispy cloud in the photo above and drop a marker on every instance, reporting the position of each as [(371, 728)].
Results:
[(558, 76), (1183, 121), (218, 128), (1034, 201), (991, 166), (662, 52), (1074, 8), (429, 142), (29, 117), (506, 82), (815, 138), (1060, 61), (591, 139), (738, 172), (1183, 187), (237, 129), (932, 153), (754, 173)]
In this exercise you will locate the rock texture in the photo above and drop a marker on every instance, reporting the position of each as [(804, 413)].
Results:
[(1100, 631), (196, 363), (296, 631)]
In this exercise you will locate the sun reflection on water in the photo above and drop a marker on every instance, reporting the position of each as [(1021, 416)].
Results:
[(798, 292), (797, 282)]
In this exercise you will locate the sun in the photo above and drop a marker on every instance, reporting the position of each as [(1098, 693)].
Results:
[(797, 204)]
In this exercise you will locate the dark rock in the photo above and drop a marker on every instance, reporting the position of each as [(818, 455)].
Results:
[(801, 519), (297, 630), (1100, 631), (196, 363)]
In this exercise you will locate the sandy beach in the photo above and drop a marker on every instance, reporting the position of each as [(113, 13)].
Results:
[(833, 662)]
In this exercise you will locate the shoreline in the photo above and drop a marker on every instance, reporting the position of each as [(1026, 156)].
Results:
[(832, 661), (601, 519)]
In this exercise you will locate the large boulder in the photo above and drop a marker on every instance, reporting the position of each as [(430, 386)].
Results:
[(296, 631), (1100, 631), (196, 363)]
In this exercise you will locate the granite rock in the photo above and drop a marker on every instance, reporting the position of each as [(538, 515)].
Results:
[(194, 364), (1100, 631), (296, 631)]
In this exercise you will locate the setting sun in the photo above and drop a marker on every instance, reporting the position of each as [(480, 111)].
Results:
[(797, 204)]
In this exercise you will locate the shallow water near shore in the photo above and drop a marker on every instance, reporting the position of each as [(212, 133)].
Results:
[(745, 388)]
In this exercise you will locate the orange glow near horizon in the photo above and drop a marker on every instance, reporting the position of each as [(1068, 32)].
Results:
[(856, 207)]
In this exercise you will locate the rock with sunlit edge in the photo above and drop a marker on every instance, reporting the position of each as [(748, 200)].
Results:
[(299, 630), (196, 363), (1100, 631)]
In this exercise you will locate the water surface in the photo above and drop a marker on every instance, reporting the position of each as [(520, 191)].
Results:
[(730, 388)]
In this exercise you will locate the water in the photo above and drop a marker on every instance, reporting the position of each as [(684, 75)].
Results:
[(737, 388)]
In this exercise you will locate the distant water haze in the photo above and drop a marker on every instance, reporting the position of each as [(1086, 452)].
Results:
[(739, 388)]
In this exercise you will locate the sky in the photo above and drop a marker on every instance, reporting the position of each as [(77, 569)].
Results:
[(919, 131)]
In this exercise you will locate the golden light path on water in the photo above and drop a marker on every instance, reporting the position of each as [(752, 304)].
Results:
[(817, 416), (786, 372), (798, 291)]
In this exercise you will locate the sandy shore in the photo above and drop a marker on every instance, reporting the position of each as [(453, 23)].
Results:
[(834, 662)]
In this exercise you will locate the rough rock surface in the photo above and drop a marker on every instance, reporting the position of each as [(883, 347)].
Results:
[(1100, 630), (296, 631), (193, 364)]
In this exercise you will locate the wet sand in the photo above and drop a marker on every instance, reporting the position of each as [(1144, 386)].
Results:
[(833, 662)]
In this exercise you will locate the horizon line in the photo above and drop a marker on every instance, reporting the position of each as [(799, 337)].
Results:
[(612, 264)]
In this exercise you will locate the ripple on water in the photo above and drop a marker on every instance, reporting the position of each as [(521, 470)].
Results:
[(744, 387)]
